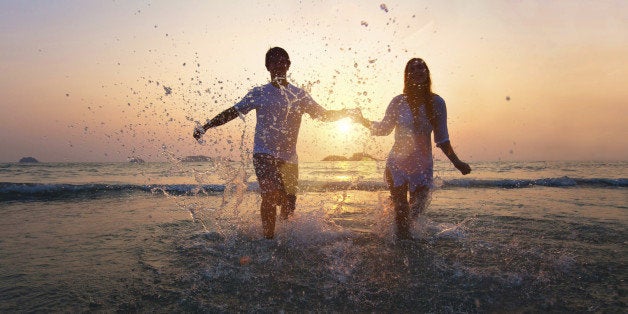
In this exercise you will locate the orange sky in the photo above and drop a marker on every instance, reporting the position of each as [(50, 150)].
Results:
[(85, 81)]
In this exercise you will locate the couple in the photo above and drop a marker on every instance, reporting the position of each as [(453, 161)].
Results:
[(279, 107)]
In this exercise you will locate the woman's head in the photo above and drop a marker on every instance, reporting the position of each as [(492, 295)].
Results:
[(417, 78), (417, 86)]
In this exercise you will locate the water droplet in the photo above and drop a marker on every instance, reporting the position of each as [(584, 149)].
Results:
[(245, 260)]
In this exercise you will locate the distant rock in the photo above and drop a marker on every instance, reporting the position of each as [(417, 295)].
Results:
[(362, 157), (355, 157), (136, 160), (335, 158), (28, 159), (199, 158)]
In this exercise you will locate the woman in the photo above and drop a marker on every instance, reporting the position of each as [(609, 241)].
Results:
[(409, 167)]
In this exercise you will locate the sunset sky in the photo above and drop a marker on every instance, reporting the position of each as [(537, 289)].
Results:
[(108, 80)]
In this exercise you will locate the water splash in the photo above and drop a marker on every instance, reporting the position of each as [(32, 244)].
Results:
[(309, 227), (445, 230)]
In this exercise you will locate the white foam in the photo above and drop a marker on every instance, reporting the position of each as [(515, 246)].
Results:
[(308, 228)]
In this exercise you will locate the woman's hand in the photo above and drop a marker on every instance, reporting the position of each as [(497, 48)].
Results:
[(356, 116), (463, 167)]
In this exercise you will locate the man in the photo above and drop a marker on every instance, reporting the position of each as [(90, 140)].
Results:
[(279, 107)]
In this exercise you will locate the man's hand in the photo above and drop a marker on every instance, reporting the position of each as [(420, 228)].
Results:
[(198, 131)]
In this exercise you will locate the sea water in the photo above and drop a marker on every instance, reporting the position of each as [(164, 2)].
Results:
[(173, 236)]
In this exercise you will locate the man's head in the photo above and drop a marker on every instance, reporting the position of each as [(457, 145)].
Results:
[(277, 61)]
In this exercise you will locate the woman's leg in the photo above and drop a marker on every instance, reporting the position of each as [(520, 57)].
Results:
[(399, 197), (419, 201), (288, 206), (402, 213)]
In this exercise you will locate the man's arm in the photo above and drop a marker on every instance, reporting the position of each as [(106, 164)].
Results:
[(449, 152), (218, 120), (334, 115)]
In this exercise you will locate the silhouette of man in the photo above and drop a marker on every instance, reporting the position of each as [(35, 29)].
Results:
[(279, 107)]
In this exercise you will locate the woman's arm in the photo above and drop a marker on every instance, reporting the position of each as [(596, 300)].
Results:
[(459, 164), (388, 123), (441, 135)]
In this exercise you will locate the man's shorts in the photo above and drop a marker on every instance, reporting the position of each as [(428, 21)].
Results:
[(275, 174)]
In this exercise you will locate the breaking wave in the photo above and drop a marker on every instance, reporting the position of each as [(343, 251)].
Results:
[(26, 191)]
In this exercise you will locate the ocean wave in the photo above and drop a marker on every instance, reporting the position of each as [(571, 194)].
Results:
[(527, 183), (562, 182), (38, 191), (26, 191)]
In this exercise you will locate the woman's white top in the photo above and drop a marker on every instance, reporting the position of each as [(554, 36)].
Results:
[(410, 159)]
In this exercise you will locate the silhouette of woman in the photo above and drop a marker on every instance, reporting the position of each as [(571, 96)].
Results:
[(409, 166)]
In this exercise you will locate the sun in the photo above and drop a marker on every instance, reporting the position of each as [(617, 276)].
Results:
[(344, 126)]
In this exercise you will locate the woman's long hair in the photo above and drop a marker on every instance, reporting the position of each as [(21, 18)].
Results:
[(417, 96)]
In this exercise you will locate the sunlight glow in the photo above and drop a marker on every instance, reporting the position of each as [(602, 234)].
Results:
[(137, 88), (344, 126)]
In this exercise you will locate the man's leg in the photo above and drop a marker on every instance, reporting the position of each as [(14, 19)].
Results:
[(268, 209), (290, 178), (271, 187)]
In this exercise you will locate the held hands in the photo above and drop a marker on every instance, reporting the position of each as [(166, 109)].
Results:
[(356, 115)]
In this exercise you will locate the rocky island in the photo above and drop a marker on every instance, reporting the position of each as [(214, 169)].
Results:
[(355, 157), (136, 160), (198, 158), (28, 160)]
